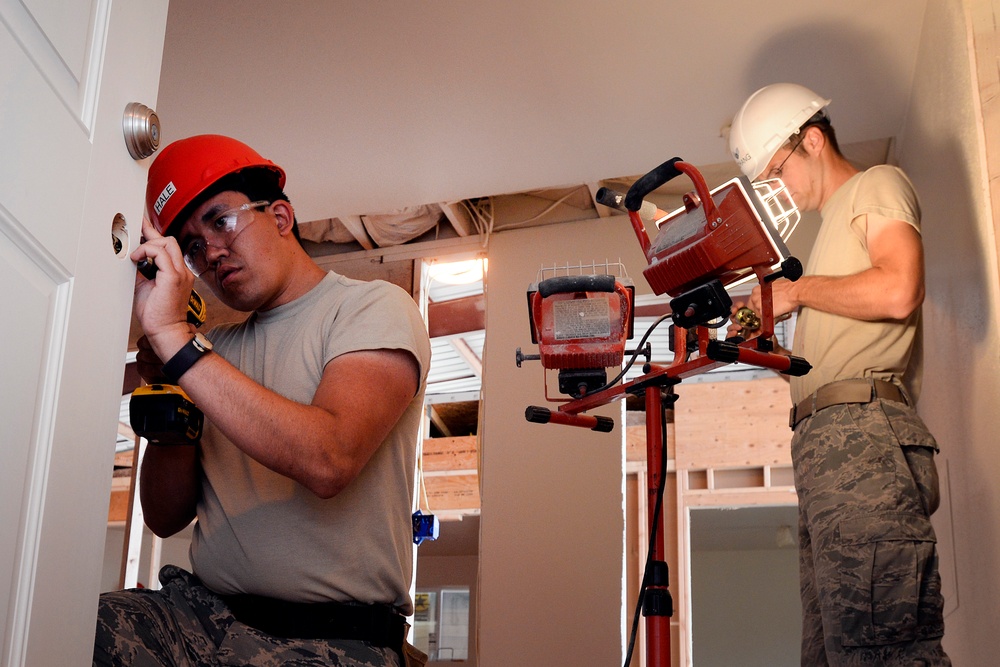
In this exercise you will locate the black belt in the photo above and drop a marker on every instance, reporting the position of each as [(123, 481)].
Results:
[(844, 391), (377, 624)]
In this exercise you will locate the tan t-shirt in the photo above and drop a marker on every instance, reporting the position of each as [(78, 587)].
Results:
[(263, 533), (841, 348)]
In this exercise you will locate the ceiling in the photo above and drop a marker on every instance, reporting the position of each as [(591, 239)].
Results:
[(374, 108)]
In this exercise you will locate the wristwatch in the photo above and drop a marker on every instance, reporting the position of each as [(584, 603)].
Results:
[(187, 357)]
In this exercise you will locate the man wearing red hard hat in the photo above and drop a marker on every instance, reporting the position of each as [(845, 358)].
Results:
[(303, 479)]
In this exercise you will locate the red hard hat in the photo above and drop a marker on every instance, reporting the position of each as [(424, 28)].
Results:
[(186, 168)]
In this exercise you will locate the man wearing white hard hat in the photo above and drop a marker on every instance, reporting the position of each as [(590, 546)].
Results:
[(863, 459)]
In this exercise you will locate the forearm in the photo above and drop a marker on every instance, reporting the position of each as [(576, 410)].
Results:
[(309, 444), (258, 421), (169, 487), (870, 295)]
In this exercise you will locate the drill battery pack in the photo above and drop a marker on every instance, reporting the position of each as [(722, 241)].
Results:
[(165, 415)]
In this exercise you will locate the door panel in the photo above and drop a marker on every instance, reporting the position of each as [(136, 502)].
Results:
[(37, 294), (67, 71)]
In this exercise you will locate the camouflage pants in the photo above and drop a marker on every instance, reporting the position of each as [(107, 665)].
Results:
[(186, 624), (867, 485)]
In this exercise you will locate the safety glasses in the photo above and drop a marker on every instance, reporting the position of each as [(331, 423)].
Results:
[(220, 233), (777, 171)]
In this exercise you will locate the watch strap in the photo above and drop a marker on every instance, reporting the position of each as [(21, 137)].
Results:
[(186, 357)]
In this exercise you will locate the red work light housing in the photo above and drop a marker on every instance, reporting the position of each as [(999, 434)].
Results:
[(722, 234), (716, 239), (581, 324)]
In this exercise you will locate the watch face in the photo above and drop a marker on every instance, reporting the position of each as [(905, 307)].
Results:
[(202, 342)]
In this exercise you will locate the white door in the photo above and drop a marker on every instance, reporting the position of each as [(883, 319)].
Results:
[(68, 68)]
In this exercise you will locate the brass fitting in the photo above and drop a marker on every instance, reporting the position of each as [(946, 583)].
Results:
[(747, 319)]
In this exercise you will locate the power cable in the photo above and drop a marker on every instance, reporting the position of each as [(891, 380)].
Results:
[(648, 570), (635, 354)]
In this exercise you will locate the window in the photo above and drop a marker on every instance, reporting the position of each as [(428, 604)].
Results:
[(441, 623)]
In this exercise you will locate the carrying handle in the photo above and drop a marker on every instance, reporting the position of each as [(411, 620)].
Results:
[(649, 182), (665, 172), (572, 284), (657, 177)]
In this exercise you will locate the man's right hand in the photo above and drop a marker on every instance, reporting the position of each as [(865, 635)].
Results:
[(161, 304)]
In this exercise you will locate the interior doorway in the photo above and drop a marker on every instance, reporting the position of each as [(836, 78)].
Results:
[(745, 606)]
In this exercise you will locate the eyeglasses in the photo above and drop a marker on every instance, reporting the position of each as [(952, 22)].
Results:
[(777, 171), (220, 232)]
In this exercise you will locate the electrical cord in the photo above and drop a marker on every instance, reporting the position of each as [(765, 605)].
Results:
[(551, 207), (423, 487), (635, 354), (647, 572), (658, 509), (716, 323), (481, 213)]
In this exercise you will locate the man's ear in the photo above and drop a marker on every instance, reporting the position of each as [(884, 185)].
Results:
[(284, 214), (814, 140)]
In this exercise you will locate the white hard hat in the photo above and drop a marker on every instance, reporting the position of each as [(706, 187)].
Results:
[(765, 122)]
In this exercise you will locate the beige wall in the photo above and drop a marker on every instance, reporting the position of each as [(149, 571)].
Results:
[(552, 522), (941, 150), (747, 609)]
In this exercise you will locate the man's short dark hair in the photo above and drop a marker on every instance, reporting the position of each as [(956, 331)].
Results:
[(821, 121)]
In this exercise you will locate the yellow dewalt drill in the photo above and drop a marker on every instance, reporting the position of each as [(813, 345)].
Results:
[(163, 413)]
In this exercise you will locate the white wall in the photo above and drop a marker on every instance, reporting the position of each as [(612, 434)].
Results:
[(552, 523), (940, 149), (745, 608)]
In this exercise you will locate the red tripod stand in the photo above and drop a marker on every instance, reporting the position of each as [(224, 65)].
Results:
[(656, 386), (581, 323)]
